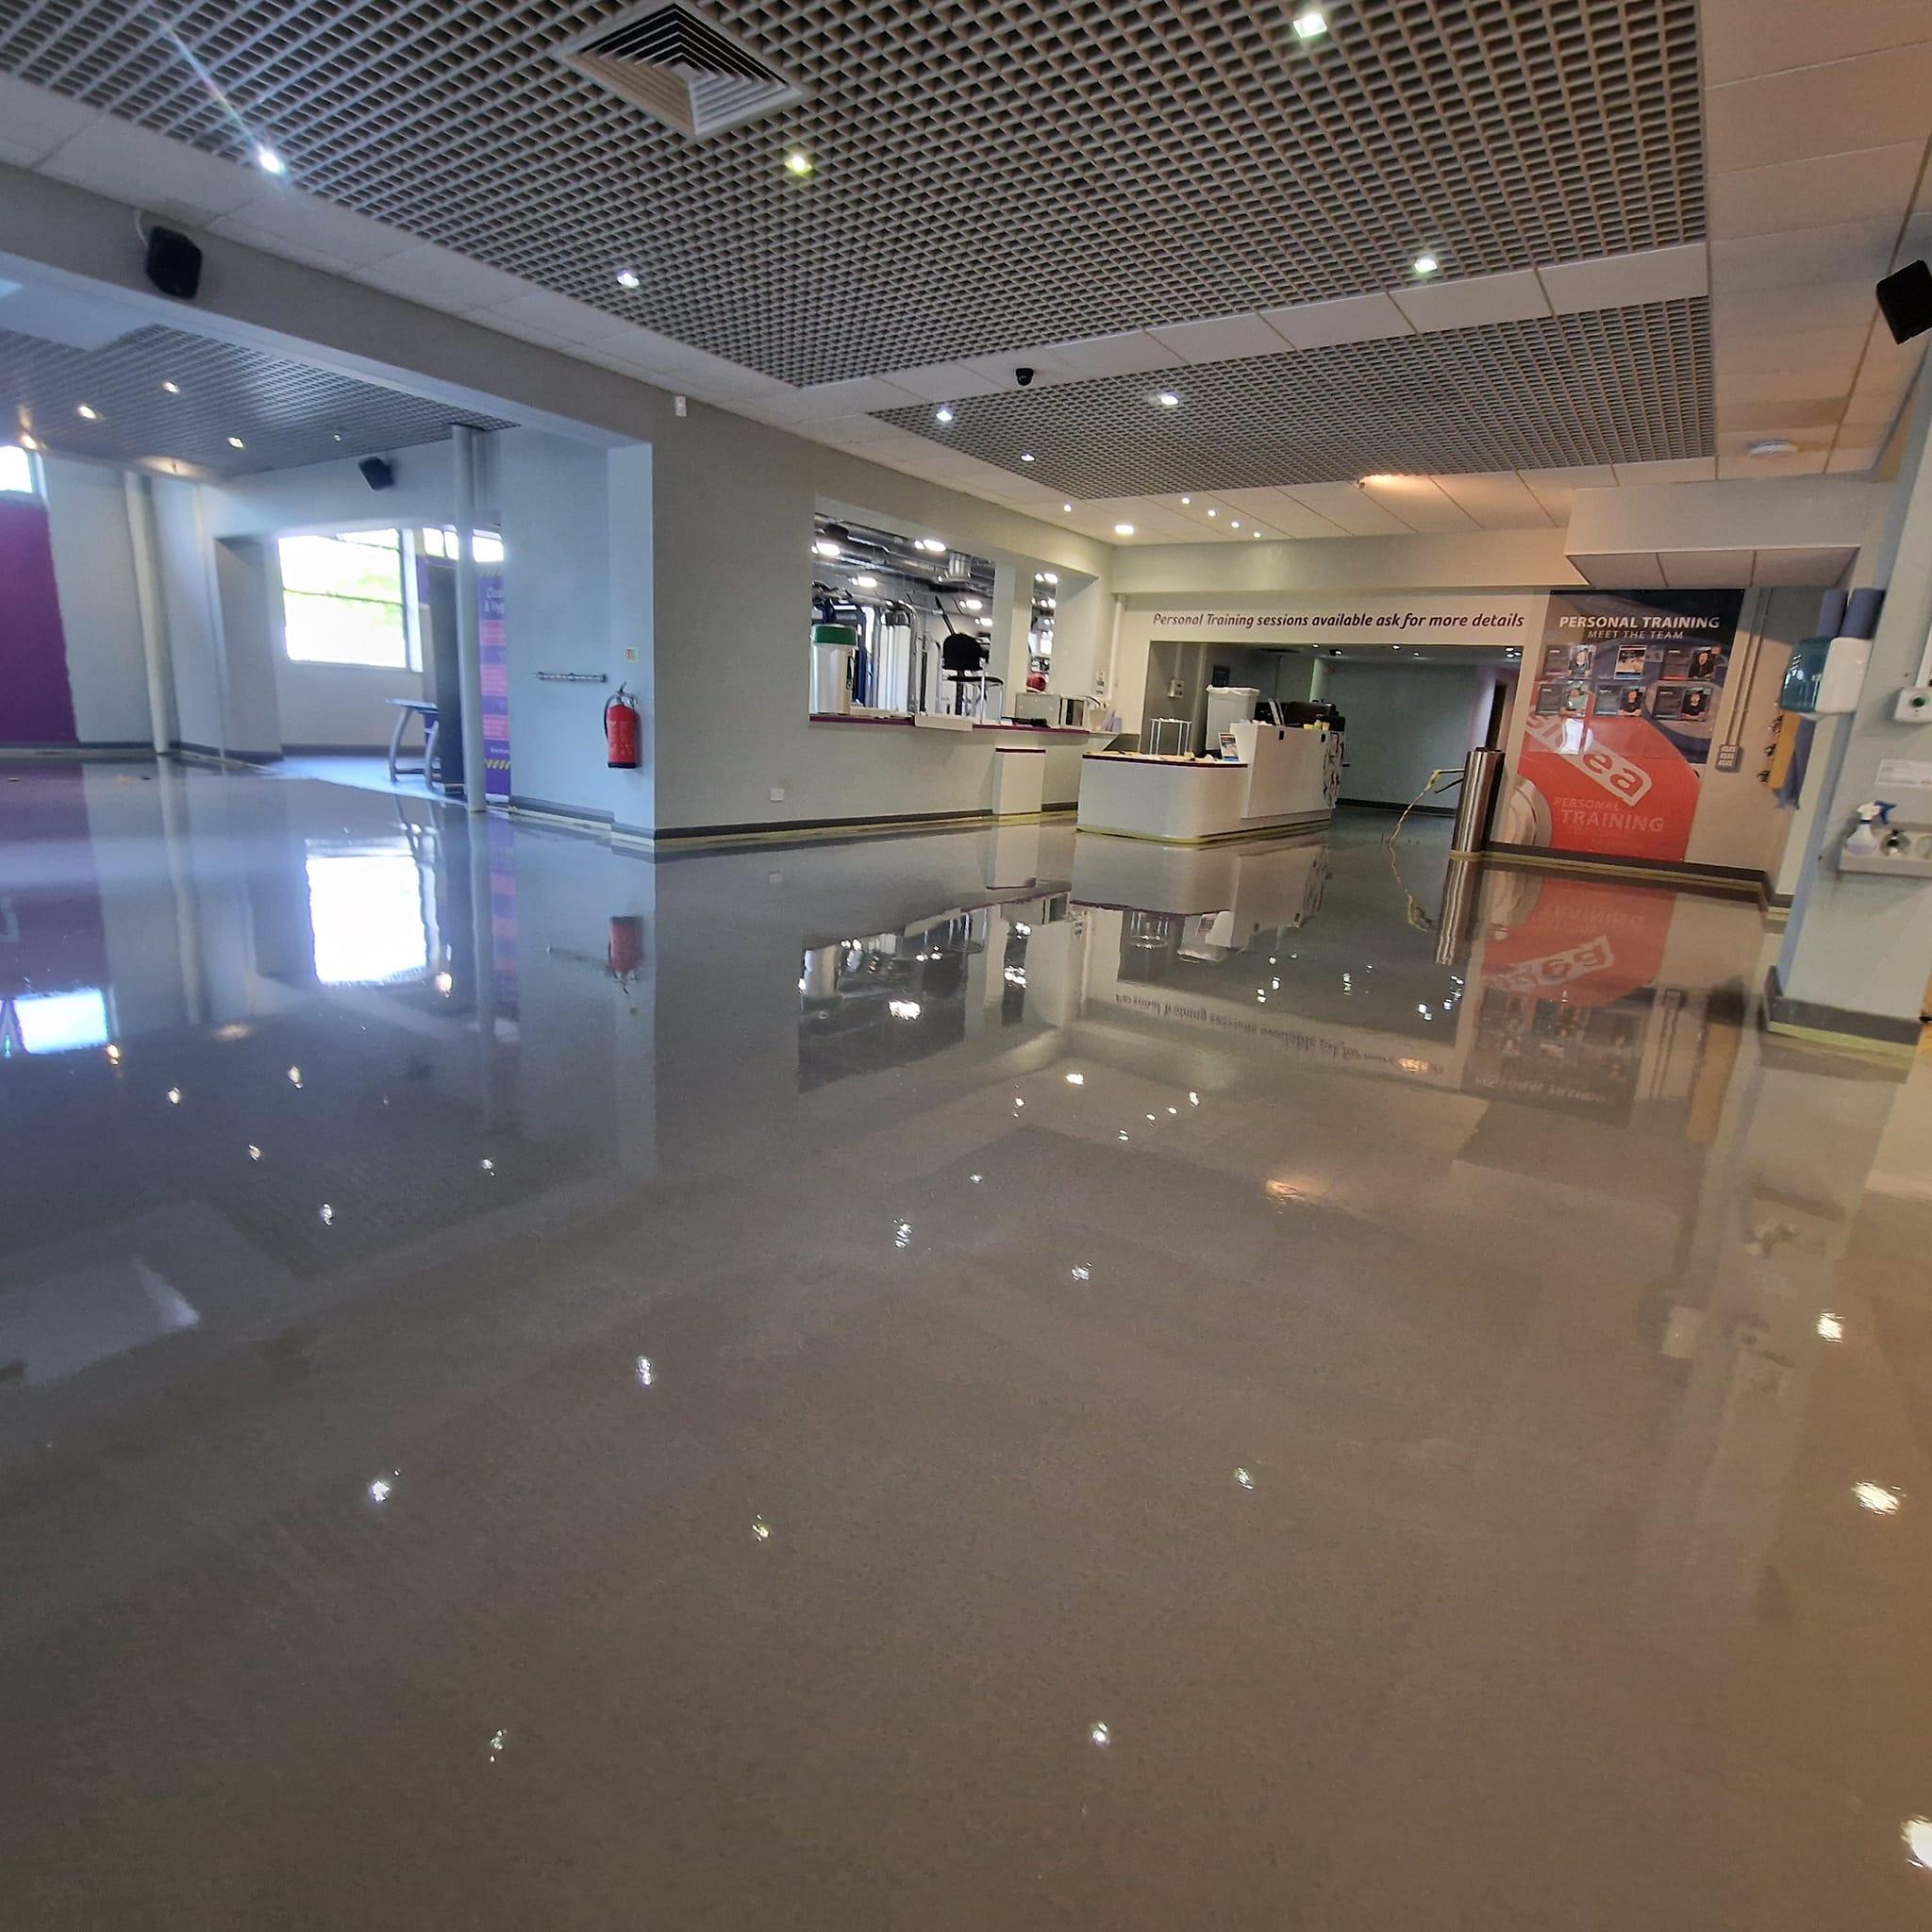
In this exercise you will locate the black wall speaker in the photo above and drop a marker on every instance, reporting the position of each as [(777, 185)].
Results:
[(377, 471), (172, 263), (1905, 300)]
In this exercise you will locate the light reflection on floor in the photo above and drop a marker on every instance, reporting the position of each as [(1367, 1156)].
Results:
[(803, 1346)]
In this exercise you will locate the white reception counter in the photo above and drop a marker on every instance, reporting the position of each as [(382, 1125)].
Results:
[(1281, 779)]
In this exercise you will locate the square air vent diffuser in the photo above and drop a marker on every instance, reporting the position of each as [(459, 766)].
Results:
[(682, 68)]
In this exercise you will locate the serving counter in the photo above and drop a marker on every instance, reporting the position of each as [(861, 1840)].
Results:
[(1280, 779)]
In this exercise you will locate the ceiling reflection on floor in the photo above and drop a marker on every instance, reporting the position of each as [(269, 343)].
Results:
[(766, 1360)]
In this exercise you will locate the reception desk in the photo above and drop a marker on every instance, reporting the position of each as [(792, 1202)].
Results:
[(1279, 780)]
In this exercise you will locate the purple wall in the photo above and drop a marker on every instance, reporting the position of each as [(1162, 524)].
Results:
[(36, 705)]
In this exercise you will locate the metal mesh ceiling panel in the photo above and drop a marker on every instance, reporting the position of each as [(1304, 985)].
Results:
[(1610, 386), (285, 413), (989, 176)]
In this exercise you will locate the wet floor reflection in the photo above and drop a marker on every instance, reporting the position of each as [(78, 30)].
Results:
[(531, 1380)]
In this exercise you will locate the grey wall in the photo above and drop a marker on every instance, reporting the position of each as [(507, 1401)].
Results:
[(556, 614), (1404, 722), (93, 574)]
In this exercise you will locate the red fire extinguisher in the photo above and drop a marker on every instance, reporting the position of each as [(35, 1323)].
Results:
[(621, 732)]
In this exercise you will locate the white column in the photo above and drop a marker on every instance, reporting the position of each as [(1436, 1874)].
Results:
[(469, 649), (154, 641)]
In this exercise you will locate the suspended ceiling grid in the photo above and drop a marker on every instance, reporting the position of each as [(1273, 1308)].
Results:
[(987, 175), (1627, 385), (284, 413)]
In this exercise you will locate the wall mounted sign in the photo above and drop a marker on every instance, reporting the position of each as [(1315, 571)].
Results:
[(1625, 695)]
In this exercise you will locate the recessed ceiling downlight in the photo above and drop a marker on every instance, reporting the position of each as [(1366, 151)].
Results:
[(87, 413), (1425, 264), (269, 161), (943, 415), (236, 443), (629, 278), (1124, 530), (1168, 399), (1309, 24), (1771, 447)]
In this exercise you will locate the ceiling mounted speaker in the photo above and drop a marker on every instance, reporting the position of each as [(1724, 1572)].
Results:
[(1905, 300), (377, 471), (172, 263)]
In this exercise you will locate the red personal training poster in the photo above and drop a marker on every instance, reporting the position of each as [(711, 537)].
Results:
[(1625, 691)]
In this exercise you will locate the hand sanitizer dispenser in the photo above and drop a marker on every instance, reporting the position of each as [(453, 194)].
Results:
[(1825, 676)]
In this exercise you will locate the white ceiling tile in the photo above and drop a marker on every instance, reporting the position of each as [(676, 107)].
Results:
[(1816, 568), (1220, 338), (1472, 301), (1705, 570), (1808, 358), (1817, 191), (1498, 500), (1685, 469), (1621, 569), (944, 382), (507, 325), (1873, 100), (441, 278), (1129, 353), (1621, 281), (1844, 251), (1744, 38), (34, 121), (307, 228), (557, 315), (1349, 318), (1558, 500), (1416, 502), (115, 158), (852, 430), (637, 351), (852, 397), (1345, 506), (1852, 459), (1808, 306), (1576, 477)]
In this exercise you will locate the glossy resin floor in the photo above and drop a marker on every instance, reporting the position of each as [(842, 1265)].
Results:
[(986, 1381)]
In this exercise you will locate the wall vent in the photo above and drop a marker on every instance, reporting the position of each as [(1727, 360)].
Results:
[(682, 68)]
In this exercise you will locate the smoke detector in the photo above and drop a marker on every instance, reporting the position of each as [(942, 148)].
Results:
[(681, 68)]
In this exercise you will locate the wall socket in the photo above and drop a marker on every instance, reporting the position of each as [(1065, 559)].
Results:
[(777, 795), (1729, 757)]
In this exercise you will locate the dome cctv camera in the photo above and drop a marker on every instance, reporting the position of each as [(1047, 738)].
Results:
[(1022, 377)]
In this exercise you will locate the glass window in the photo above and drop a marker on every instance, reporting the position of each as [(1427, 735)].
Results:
[(17, 476), (342, 599), (487, 545)]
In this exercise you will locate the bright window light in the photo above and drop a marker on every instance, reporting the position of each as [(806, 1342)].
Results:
[(17, 472), (365, 913), (487, 545), (342, 599), (61, 1021)]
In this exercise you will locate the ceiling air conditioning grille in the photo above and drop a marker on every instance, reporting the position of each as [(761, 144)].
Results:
[(682, 68)]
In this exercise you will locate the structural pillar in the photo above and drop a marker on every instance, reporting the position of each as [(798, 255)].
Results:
[(469, 647)]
